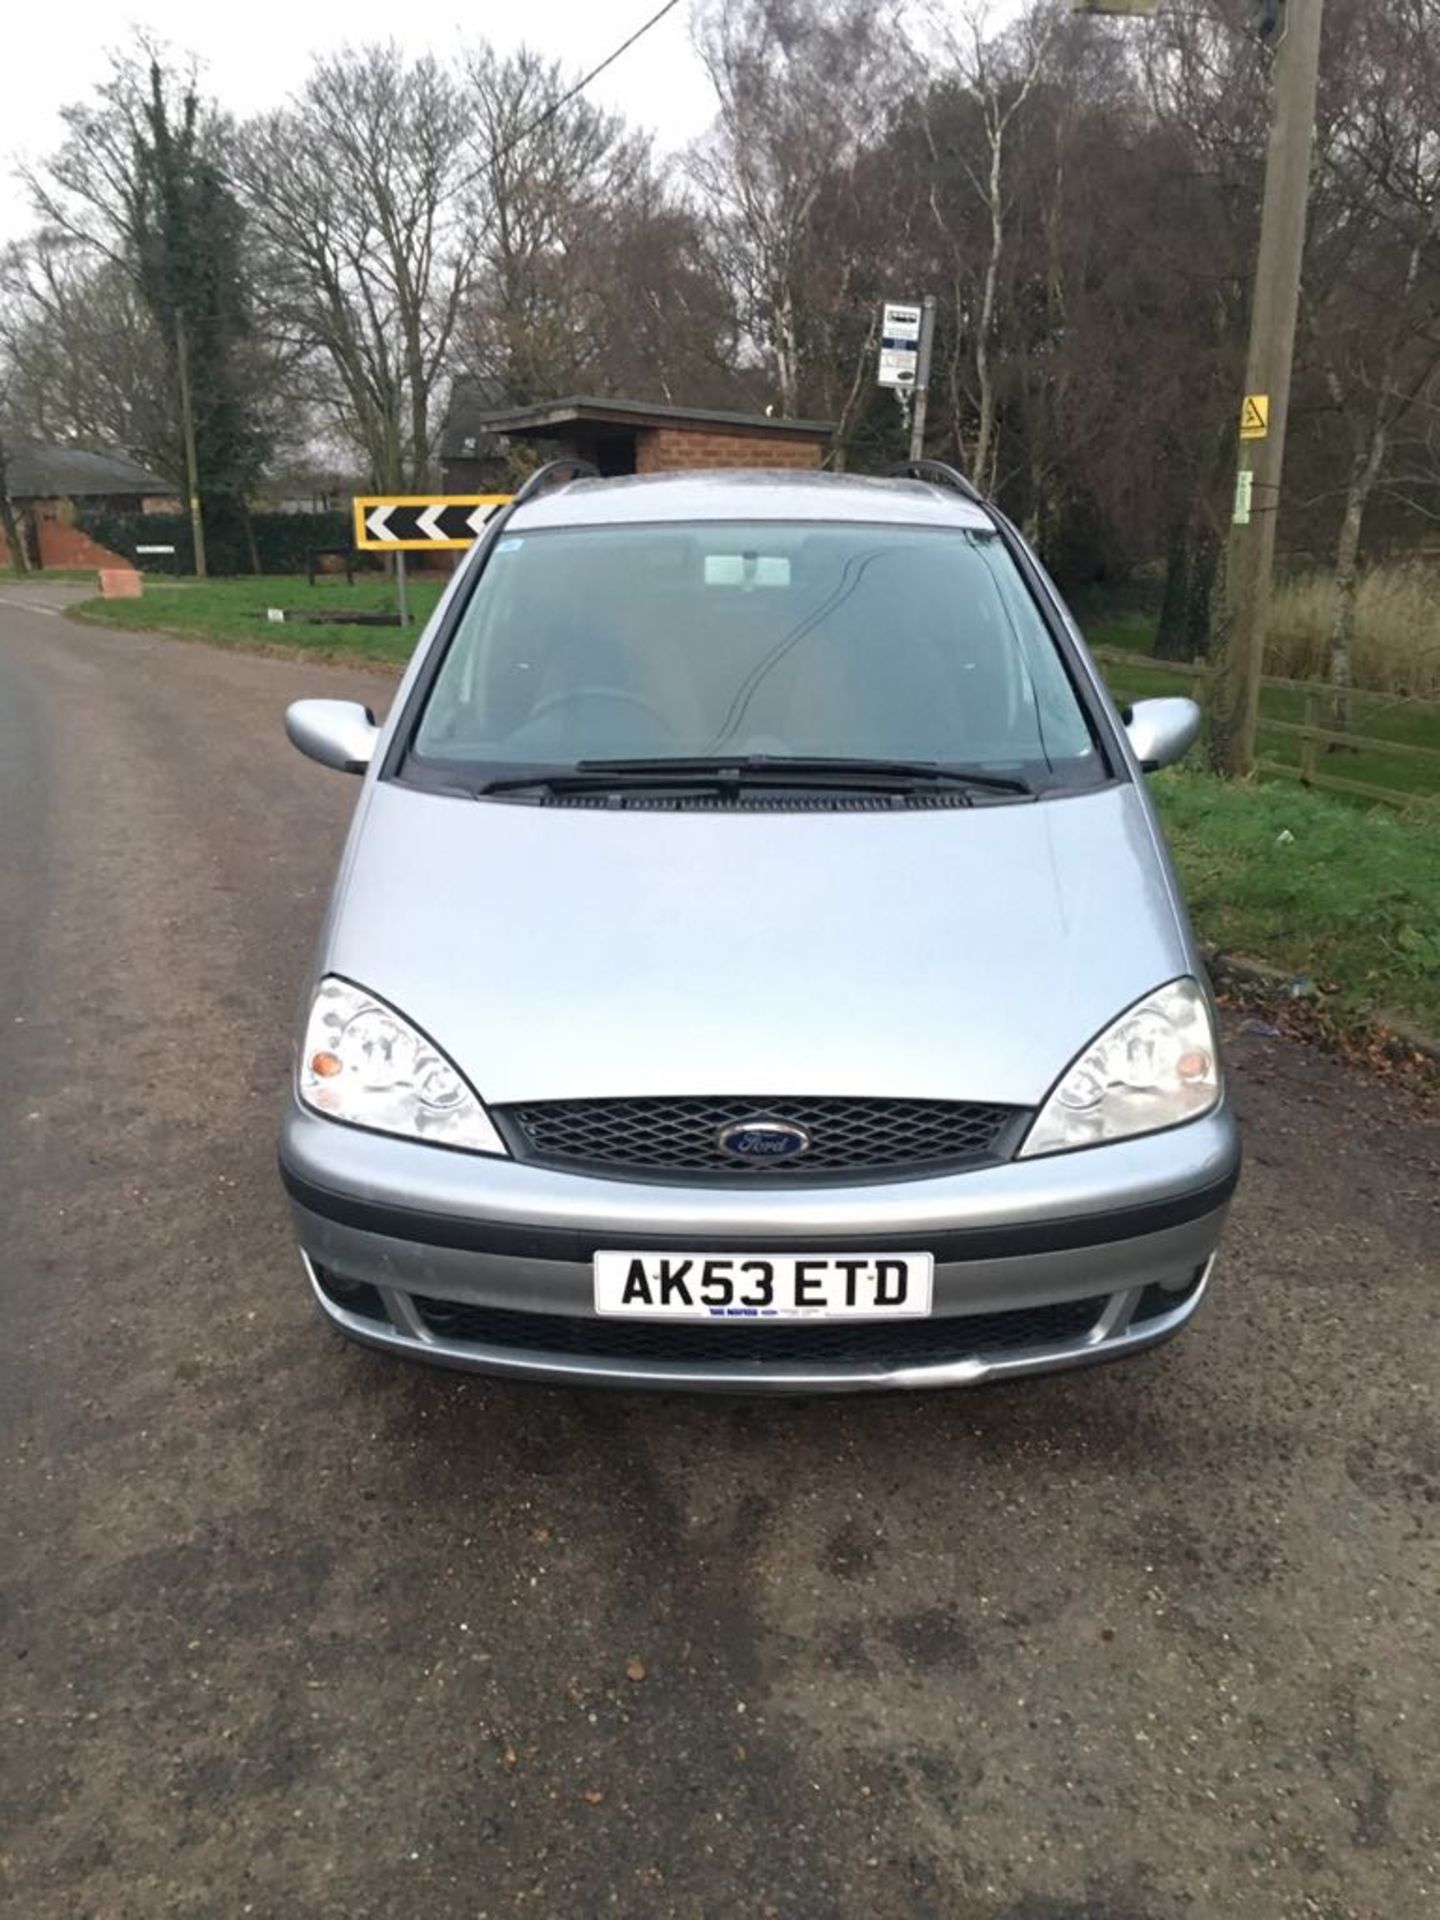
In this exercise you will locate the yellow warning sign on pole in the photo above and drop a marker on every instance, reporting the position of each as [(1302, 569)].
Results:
[(1255, 416)]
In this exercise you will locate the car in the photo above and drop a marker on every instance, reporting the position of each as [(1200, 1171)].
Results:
[(755, 962)]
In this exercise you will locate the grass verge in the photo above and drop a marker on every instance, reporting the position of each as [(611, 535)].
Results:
[(1345, 901), (233, 613)]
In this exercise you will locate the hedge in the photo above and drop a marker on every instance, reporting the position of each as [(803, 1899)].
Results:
[(282, 540)]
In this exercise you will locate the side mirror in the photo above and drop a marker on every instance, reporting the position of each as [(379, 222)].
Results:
[(337, 733), (1161, 732)]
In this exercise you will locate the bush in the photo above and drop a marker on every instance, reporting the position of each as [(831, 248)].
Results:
[(1397, 630), (282, 540)]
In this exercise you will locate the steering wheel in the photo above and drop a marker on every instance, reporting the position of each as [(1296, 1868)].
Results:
[(617, 696)]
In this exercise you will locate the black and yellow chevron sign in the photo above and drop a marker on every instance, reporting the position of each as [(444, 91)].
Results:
[(423, 522)]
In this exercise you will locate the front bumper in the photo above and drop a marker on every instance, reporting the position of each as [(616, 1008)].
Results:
[(467, 1261)]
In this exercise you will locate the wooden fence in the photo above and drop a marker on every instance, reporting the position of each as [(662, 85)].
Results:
[(1314, 736)]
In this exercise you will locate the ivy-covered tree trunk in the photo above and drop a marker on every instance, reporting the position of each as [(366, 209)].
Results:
[(187, 227), (187, 440), (1191, 556), (1204, 564), (1172, 633)]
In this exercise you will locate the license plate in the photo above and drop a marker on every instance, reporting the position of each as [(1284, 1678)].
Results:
[(764, 1286)]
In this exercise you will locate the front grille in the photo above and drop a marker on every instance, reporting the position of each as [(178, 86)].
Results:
[(836, 1343), (649, 1137)]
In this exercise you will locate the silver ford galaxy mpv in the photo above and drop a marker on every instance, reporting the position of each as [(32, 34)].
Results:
[(755, 963)]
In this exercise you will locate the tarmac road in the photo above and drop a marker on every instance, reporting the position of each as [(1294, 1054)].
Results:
[(296, 1631)]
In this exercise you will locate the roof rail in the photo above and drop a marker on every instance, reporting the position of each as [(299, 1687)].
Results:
[(552, 470), (940, 474)]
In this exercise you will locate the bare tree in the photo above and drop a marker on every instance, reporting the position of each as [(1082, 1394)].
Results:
[(996, 74), (1193, 187), (1374, 314), (660, 319), (87, 366), (91, 191), (547, 177), (364, 264), (804, 91)]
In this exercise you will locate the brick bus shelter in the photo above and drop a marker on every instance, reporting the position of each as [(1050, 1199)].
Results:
[(617, 436)]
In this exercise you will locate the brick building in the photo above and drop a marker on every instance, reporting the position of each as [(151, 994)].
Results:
[(618, 436), (49, 485)]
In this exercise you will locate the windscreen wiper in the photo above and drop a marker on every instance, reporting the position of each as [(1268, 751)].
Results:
[(719, 774), (598, 778), (829, 770)]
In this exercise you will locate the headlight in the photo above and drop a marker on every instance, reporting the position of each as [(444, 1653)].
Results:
[(1156, 1066), (362, 1063)]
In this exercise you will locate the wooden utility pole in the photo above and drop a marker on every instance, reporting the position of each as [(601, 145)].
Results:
[(1242, 602), (187, 433)]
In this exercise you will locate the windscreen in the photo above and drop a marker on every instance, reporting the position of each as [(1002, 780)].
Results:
[(790, 639)]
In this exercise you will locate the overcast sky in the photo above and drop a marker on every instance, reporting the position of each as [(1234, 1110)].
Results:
[(256, 52)]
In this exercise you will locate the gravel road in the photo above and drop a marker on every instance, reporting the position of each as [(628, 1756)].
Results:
[(291, 1630)]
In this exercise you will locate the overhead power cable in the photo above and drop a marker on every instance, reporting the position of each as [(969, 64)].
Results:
[(556, 106)]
